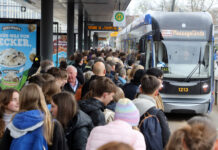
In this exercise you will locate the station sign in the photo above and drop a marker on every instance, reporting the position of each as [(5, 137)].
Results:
[(119, 19), (101, 26)]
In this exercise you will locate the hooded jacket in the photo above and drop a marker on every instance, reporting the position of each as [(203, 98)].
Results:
[(78, 130), (146, 103), (117, 130), (26, 130), (94, 108)]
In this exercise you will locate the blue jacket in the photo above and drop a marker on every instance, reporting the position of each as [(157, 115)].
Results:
[(26, 130)]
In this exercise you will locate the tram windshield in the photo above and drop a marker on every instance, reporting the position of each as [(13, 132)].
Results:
[(184, 59)]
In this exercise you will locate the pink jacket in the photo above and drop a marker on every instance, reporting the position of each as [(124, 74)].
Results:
[(117, 130)]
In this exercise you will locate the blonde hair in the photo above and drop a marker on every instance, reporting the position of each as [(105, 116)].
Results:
[(198, 134), (133, 71), (118, 94), (31, 97)]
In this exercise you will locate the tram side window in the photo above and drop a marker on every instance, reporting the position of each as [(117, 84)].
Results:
[(206, 56)]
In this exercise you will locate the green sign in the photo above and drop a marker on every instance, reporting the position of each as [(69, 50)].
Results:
[(119, 16)]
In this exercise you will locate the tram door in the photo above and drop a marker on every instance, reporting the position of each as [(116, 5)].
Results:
[(145, 48)]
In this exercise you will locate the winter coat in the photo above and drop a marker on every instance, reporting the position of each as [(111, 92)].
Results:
[(80, 76), (145, 103), (78, 130), (130, 90), (94, 108), (68, 88), (117, 130), (26, 129), (119, 81), (58, 142)]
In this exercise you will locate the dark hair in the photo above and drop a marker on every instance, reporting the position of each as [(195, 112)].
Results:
[(100, 85), (130, 62), (138, 76), (63, 65), (58, 73), (115, 146), (45, 65), (198, 134), (47, 76), (149, 84), (78, 58), (154, 72), (49, 89), (37, 79), (67, 107), (5, 98)]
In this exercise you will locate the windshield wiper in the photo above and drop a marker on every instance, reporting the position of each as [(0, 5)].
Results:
[(196, 67)]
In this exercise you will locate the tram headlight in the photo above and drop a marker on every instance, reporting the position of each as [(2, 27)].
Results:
[(205, 87), (161, 86)]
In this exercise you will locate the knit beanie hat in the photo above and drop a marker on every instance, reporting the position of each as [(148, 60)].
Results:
[(126, 110)]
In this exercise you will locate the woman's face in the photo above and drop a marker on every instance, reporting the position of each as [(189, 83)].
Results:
[(54, 109), (13, 105)]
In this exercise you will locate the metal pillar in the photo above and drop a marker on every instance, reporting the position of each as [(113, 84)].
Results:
[(86, 32), (46, 31), (70, 29), (80, 27), (173, 5), (89, 40), (95, 40)]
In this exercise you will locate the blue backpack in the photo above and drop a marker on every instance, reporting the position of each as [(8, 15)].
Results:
[(151, 129)]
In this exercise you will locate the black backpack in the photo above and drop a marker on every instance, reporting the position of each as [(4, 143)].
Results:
[(150, 127)]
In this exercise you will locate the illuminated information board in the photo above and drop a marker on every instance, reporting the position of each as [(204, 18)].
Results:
[(101, 26)]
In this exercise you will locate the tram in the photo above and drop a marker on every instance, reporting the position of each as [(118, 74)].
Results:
[(181, 45)]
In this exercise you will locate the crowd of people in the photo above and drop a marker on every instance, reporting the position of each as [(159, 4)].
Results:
[(97, 100)]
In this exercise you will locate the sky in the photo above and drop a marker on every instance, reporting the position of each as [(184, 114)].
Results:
[(135, 3)]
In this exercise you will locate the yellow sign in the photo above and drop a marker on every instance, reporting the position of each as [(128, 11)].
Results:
[(114, 34), (183, 90)]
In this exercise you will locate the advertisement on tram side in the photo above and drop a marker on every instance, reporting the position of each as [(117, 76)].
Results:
[(60, 48), (18, 44)]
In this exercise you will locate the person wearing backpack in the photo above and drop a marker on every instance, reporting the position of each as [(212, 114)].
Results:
[(153, 123)]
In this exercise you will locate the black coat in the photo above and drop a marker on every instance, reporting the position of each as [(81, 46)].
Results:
[(80, 76), (94, 108), (58, 142), (68, 88), (78, 130)]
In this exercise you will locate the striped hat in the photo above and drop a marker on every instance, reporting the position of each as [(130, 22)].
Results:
[(126, 110)]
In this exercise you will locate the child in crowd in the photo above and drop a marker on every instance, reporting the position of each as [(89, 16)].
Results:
[(147, 104), (100, 95), (76, 123), (115, 146), (123, 129), (9, 105), (31, 128), (198, 134), (110, 108), (159, 74)]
